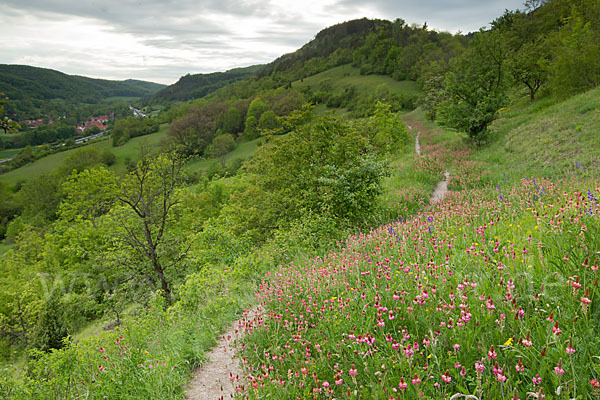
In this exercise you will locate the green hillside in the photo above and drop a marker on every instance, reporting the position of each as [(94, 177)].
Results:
[(44, 93), (436, 236), (345, 76)]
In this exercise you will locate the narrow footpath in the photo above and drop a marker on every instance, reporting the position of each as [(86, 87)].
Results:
[(217, 378), (442, 186)]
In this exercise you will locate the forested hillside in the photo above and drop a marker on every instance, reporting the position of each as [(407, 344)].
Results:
[(115, 278), (34, 92)]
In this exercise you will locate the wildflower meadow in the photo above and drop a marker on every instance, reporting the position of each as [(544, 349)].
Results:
[(490, 294)]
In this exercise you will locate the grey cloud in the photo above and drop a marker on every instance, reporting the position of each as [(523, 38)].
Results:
[(465, 15)]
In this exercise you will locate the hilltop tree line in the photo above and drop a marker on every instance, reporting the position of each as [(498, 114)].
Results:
[(552, 48)]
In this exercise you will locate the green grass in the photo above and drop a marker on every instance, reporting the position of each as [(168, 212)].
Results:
[(129, 151), (546, 138), (346, 75), (8, 153)]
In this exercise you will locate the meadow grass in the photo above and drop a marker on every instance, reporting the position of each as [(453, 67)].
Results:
[(242, 151), (546, 138), (8, 153)]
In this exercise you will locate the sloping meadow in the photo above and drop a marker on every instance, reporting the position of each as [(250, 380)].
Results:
[(491, 293)]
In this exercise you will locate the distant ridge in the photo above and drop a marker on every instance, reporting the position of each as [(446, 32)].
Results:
[(194, 86), (21, 82)]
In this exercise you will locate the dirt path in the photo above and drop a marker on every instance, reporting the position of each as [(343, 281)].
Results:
[(442, 187), (440, 190), (215, 380)]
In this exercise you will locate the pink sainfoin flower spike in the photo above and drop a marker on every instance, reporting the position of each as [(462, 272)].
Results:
[(353, 371), (559, 369), (446, 377), (555, 329), (479, 367), (492, 353), (520, 367), (501, 376), (570, 349), (527, 341), (585, 300), (416, 380), (402, 385)]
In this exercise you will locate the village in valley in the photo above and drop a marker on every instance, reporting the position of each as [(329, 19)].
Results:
[(100, 121)]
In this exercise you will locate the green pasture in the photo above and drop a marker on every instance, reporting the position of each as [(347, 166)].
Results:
[(129, 151)]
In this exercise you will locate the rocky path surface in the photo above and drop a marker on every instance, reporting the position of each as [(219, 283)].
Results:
[(216, 379), (440, 189)]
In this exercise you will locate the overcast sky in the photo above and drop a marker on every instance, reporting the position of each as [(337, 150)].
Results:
[(161, 40)]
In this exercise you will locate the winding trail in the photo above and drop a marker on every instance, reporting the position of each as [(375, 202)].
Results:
[(216, 379), (440, 190), (442, 186)]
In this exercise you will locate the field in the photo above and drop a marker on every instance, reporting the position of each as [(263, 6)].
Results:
[(346, 75), (547, 138), (8, 153), (129, 151)]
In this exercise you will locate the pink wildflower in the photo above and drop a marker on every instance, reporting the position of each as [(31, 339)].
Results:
[(479, 366), (416, 380), (402, 385), (446, 377), (492, 353)]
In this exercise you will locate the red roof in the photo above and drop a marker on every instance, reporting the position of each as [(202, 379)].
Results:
[(96, 123)]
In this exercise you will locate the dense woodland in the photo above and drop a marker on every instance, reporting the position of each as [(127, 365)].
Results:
[(156, 252)]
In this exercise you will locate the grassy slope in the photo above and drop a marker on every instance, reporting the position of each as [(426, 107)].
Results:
[(547, 138), (346, 75), (8, 153), (242, 151)]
